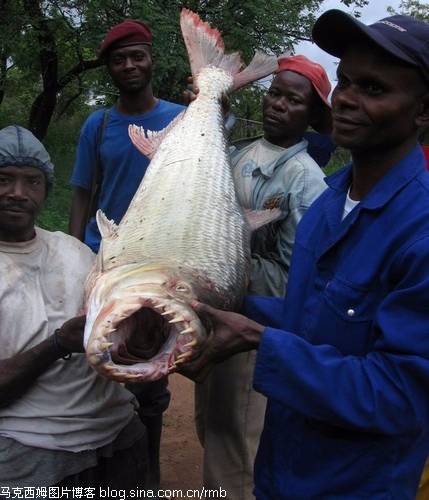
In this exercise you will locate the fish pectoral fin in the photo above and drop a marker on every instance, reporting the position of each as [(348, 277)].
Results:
[(259, 218), (108, 229), (148, 141)]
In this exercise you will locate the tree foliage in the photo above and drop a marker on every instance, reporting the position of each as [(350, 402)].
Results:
[(48, 63), (414, 8)]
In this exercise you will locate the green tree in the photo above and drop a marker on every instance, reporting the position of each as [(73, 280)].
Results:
[(48, 47), (413, 8)]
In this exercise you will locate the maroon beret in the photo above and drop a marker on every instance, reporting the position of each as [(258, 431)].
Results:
[(129, 32)]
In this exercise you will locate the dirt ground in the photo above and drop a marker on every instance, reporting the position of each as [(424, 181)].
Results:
[(181, 453)]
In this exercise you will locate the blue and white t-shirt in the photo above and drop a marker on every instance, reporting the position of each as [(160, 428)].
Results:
[(122, 165)]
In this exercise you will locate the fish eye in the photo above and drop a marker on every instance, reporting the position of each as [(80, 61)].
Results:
[(181, 287)]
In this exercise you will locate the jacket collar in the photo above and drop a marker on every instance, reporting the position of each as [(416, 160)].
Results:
[(393, 181), (385, 189)]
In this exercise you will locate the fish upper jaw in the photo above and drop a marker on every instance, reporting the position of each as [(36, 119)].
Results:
[(113, 325)]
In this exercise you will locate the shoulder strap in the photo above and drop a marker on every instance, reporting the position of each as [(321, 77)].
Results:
[(97, 177)]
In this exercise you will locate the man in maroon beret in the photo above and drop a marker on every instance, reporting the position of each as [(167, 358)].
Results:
[(125, 34), (108, 171)]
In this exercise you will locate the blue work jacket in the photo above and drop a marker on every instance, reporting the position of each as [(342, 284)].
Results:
[(344, 360)]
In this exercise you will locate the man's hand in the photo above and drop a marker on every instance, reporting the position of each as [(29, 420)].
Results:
[(192, 91), (231, 333), (19, 372), (70, 335)]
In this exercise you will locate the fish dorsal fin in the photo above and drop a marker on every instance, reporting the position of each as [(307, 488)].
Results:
[(206, 48), (108, 229), (259, 218), (148, 141)]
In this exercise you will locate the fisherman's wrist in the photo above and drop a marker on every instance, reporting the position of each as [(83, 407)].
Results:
[(252, 335), (61, 351)]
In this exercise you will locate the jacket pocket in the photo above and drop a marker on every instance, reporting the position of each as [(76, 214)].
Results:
[(352, 304)]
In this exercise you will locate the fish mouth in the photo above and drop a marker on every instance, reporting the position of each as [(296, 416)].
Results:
[(144, 339)]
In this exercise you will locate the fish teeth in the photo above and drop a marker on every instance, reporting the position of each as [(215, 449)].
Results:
[(191, 343), (187, 330), (182, 357), (106, 345), (166, 313), (179, 319)]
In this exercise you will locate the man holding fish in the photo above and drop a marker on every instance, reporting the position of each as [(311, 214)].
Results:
[(343, 359)]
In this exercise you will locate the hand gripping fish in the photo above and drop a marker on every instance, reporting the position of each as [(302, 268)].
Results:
[(184, 235)]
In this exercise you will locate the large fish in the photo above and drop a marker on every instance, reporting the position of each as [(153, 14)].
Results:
[(184, 235)]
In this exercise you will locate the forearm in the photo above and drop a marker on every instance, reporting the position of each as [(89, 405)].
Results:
[(18, 373), (271, 259), (380, 392), (79, 212)]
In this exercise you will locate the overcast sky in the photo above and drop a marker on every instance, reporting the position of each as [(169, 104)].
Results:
[(376, 9)]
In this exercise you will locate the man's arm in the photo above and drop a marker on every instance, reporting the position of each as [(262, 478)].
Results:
[(18, 373), (232, 333), (269, 271), (79, 212)]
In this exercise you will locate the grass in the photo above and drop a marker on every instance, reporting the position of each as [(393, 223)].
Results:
[(338, 160), (61, 144), (54, 216)]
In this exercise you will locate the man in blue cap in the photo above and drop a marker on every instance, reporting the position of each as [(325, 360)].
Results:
[(344, 358)]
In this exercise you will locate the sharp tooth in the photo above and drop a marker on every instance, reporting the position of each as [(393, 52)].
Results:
[(177, 320), (133, 376), (109, 368), (191, 343), (159, 306), (183, 356), (165, 313), (187, 330), (106, 345)]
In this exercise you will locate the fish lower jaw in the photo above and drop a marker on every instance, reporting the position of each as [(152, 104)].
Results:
[(185, 334)]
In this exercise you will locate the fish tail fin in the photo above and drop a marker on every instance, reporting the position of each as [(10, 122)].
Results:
[(206, 48)]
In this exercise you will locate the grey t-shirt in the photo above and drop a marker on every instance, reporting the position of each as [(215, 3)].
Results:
[(69, 411)]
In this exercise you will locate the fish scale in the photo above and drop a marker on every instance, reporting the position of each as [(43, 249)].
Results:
[(197, 198)]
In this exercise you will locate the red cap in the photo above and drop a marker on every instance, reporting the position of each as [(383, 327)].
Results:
[(311, 70), (129, 32), (318, 78)]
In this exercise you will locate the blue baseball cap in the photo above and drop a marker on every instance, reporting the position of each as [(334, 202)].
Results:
[(404, 37)]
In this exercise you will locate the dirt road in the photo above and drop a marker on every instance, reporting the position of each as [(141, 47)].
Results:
[(181, 453)]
